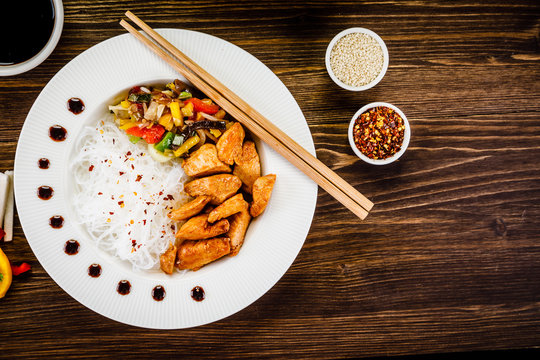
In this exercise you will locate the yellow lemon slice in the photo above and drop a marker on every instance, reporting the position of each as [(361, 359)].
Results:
[(5, 274)]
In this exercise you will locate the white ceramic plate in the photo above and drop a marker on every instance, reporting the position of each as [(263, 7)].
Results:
[(273, 240)]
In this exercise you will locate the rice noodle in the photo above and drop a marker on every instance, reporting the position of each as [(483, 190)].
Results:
[(123, 196)]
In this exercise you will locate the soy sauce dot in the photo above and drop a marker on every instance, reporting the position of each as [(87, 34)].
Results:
[(71, 247), (94, 270), (44, 163), (124, 287), (158, 293), (56, 221), (75, 105), (197, 293), (45, 192), (57, 133)]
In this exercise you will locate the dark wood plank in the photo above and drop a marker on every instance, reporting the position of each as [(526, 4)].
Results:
[(448, 259)]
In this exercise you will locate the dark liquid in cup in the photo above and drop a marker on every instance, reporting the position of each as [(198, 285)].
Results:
[(27, 27)]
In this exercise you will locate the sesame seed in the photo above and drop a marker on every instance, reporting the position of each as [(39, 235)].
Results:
[(356, 59)]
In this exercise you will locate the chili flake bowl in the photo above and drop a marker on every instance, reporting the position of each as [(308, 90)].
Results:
[(406, 135), (350, 47)]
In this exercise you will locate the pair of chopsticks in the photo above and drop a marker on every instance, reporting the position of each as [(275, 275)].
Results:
[(252, 119)]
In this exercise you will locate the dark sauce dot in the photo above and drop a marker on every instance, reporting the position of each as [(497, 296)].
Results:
[(197, 293), (45, 192), (124, 287), (71, 247), (94, 270), (44, 163), (57, 133), (158, 293), (75, 105), (56, 221)]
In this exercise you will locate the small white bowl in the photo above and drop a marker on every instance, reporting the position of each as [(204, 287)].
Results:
[(406, 135), (347, 32), (8, 70)]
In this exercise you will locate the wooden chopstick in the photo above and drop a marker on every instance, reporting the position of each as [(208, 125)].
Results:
[(254, 121)]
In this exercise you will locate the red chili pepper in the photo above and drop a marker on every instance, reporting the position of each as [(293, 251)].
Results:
[(18, 270), (2, 234), (150, 135), (200, 106)]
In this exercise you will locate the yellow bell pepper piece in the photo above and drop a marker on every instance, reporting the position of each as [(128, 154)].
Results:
[(129, 125), (166, 121), (198, 117), (187, 110), (188, 144), (5, 274), (175, 109), (215, 132), (220, 114), (178, 122), (125, 104)]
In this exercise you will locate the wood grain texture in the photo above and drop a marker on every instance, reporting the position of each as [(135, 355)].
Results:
[(448, 259)]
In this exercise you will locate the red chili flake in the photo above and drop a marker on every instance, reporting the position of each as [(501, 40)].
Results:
[(128, 153), (91, 168), (379, 132), (112, 197), (111, 213), (121, 203), (132, 167), (173, 227), (160, 193), (170, 197), (121, 173), (145, 211), (144, 221), (139, 177), (138, 246), (100, 193)]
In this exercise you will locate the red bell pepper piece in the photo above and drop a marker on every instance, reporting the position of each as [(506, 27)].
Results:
[(200, 106), (17, 270), (150, 135)]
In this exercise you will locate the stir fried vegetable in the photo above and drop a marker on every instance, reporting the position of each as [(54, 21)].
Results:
[(173, 119)]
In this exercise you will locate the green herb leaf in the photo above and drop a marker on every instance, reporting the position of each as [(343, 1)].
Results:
[(1, 277)]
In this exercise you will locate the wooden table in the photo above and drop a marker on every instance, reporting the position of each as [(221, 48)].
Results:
[(449, 258)]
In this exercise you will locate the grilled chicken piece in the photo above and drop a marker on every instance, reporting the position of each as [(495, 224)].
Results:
[(204, 161), (190, 209), (229, 144), (248, 166), (237, 230), (228, 207), (167, 259), (218, 187), (262, 189), (195, 254), (198, 228)]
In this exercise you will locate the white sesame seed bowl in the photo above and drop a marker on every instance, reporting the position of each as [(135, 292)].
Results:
[(356, 59), (404, 144)]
